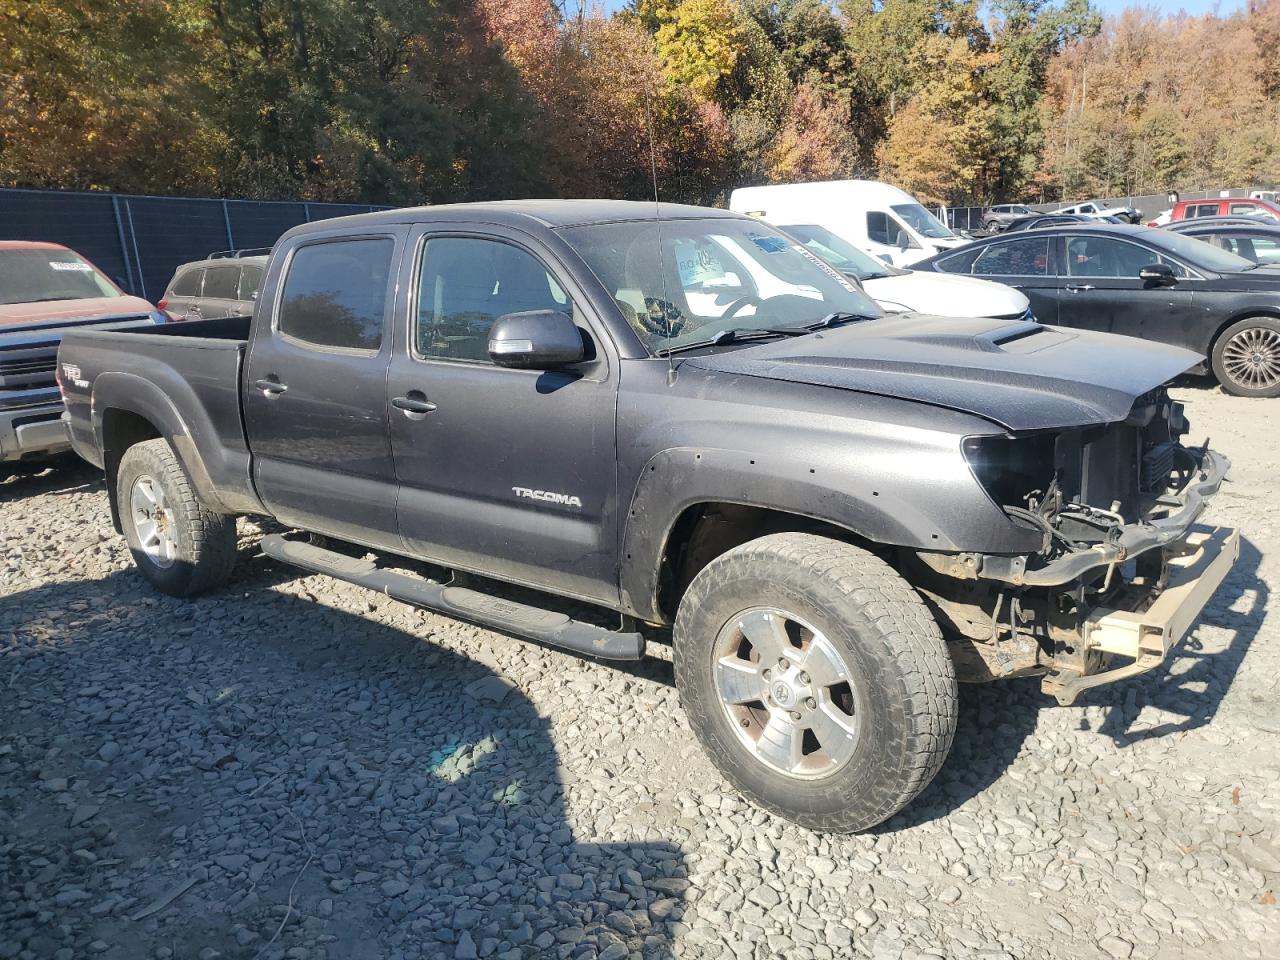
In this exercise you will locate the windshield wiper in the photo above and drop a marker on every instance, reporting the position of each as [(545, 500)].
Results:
[(839, 317), (733, 335)]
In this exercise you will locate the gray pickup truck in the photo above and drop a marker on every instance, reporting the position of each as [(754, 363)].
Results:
[(684, 417)]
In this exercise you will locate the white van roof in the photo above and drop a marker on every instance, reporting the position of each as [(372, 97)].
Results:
[(863, 194)]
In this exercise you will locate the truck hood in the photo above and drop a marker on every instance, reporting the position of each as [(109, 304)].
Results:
[(1019, 375), (948, 295), (89, 308)]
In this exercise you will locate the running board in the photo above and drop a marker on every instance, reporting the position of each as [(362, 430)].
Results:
[(519, 619)]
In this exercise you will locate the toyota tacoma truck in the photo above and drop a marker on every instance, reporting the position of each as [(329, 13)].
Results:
[(685, 418), (45, 290)]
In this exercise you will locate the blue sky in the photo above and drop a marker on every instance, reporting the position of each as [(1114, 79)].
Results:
[(1173, 6)]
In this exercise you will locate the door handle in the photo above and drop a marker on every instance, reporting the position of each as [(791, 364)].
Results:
[(1078, 287), (415, 404), (272, 388)]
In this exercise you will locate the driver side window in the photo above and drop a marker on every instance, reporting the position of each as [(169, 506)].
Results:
[(882, 228), (465, 284)]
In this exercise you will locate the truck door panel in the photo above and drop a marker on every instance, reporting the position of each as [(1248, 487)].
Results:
[(315, 391), (512, 472)]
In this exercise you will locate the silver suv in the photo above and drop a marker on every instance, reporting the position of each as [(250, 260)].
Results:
[(223, 285)]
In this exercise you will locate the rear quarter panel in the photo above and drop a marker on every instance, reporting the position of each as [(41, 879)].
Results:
[(187, 388)]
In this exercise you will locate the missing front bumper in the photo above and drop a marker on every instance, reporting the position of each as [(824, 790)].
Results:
[(1198, 565)]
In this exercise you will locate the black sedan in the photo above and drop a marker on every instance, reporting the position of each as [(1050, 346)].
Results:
[(1146, 283), (1253, 241), (1038, 220)]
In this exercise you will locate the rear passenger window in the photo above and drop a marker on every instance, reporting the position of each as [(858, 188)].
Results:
[(188, 283), (220, 282), (1244, 209), (250, 281), (1015, 258), (335, 294)]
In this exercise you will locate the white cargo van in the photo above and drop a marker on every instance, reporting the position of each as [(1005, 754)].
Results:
[(874, 216)]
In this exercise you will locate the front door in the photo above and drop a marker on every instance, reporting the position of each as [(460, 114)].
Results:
[(316, 389), (890, 240), (509, 473), (1102, 290)]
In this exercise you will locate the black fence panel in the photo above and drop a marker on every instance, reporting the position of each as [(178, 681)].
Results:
[(167, 232), (140, 241), (261, 224), (85, 222)]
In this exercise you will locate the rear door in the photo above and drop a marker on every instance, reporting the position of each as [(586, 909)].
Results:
[(250, 283), (505, 472), (1102, 290), (316, 387), (183, 297), (221, 283), (1023, 262)]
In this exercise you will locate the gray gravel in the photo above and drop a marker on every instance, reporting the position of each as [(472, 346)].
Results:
[(297, 768)]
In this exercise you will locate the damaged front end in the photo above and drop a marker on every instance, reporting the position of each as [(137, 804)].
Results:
[(1115, 565)]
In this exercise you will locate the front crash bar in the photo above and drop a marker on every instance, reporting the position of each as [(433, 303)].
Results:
[(1146, 636), (1135, 538)]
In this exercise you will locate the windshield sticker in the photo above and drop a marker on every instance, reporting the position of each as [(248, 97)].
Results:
[(770, 244), (697, 264), (70, 265), (826, 268)]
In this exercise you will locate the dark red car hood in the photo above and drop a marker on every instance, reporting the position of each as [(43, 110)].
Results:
[(91, 308)]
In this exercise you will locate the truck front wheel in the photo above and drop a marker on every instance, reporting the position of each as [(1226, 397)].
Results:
[(181, 547), (816, 680)]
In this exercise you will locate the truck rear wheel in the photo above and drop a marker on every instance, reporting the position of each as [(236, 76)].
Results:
[(816, 680), (178, 544)]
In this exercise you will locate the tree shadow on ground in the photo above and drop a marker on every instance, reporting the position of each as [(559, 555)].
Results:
[(296, 772), (67, 474)]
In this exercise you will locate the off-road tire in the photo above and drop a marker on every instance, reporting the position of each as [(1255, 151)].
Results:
[(205, 540), (1268, 330), (902, 672)]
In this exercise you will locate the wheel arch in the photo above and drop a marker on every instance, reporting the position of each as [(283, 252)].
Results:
[(130, 410), (707, 529), (1245, 313)]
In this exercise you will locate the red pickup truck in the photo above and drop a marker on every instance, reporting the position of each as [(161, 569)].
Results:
[(1225, 207), (46, 290)]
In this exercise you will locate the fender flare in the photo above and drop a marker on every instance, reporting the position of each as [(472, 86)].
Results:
[(132, 394), (674, 480)]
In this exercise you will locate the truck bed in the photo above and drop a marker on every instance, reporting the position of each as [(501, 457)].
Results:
[(184, 374)]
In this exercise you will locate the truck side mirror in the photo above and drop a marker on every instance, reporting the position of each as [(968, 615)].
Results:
[(1158, 275), (904, 241), (536, 340)]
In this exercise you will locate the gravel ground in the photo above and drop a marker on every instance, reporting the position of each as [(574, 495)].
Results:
[(294, 767)]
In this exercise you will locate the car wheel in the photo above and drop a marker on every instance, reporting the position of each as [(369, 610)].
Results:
[(815, 679), (181, 547), (992, 226), (1246, 358)]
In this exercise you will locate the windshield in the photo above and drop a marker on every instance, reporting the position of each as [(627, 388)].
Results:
[(28, 276), (1198, 253), (840, 253), (922, 221), (709, 276)]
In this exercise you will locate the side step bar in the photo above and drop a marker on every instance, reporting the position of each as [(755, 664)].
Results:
[(520, 619)]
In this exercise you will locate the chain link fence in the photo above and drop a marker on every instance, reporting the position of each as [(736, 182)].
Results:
[(139, 241)]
